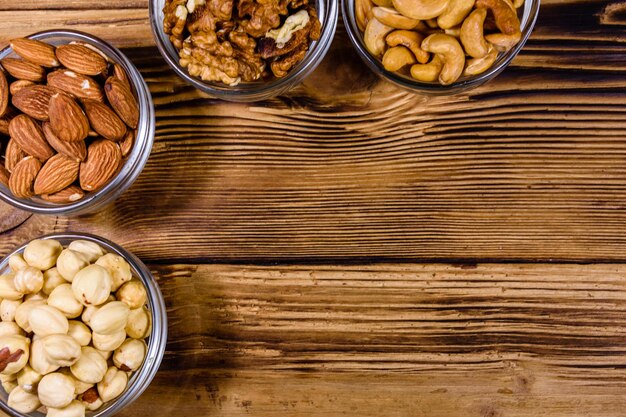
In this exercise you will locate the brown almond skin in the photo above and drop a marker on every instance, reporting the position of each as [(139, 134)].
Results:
[(74, 150), (4, 176), (18, 85), (34, 101), (58, 173), (120, 74), (104, 120), (103, 160), (34, 51), (73, 83), (13, 155), (126, 144), (29, 136), (71, 194), (4, 120), (23, 70), (4, 93), (67, 119), (23, 177), (122, 101), (81, 59)]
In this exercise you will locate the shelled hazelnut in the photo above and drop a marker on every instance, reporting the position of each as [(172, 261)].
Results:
[(73, 327)]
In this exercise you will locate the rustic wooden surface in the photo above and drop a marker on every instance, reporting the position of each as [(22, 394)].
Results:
[(266, 225)]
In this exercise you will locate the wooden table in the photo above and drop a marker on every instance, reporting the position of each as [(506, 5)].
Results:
[(352, 249)]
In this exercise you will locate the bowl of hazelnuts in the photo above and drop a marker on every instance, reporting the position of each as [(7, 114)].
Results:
[(83, 327)]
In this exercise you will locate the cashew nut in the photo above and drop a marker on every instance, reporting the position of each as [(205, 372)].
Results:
[(374, 37), (518, 3), (454, 31), (451, 53), (503, 42), (391, 17), (397, 58), (383, 3), (420, 9), (427, 72), (363, 12), (455, 13), (411, 40), (504, 15), (472, 34), (477, 66)]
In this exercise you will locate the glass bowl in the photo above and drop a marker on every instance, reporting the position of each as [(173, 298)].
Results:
[(135, 162), (328, 13), (528, 17), (156, 341)]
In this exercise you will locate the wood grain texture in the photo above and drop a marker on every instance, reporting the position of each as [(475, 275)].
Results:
[(395, 340)]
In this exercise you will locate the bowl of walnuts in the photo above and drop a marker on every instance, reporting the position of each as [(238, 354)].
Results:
[(439, 46), (76, 123), (243, 50), (83, 327)]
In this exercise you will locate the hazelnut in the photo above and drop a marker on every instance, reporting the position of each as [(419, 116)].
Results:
[(52, 279), (117, 267), (91, 250), (9, 383), (91, 366), (56, 390), (45, 320), (7, 309), (28, 280), (23, 401), (132, 293), (80, 332), (106, 354), (17, 262), (95, 404), (62, 298), (42, 254), (138, 325), (80, 386), (130, 355), (10, 327), (22, 313), (70, 262), (7, 288), (92, 285), (35, 296), (113, 384), (38, 359), (108, 342), (110, 318), (14, 353), (28, 379), (61, 349), (75, 409)]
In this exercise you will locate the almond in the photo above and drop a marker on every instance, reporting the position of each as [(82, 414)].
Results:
[(4, 93), (19, 85), (77, 85), (28, 135), (67, 119), (58, 173), (4, 120), (122, 101), (103, 160), (34, 101), (120, 74), (104, 120), (23, 177), (74, 150), (126, 145), (37, 52), (69, 195), (23, 70), (81, 59), (4, 176), (13, 155)]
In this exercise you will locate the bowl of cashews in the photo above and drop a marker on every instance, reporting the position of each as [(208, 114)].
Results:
[(439, 46)]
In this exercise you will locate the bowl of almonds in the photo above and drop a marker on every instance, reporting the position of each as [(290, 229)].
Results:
[(76, 123), (83, 327)]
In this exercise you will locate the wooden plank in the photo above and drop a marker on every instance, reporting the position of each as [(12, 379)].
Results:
[(394, 340)]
